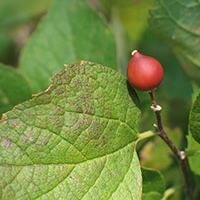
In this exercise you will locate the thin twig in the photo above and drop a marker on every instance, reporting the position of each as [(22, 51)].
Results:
[(179, 154)]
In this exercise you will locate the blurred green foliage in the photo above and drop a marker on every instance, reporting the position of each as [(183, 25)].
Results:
[(15, 12), (18, 18), (128, 19)]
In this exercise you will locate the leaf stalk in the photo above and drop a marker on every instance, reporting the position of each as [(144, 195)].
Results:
[(145, 135)]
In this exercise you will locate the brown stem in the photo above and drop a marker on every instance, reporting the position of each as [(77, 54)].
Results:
[(179, 154)]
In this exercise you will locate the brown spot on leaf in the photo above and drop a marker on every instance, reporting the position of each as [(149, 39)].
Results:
[(89, 109), (6, 143), (79, 109)]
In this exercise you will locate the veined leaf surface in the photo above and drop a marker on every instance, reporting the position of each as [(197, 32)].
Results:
[(76, 140)]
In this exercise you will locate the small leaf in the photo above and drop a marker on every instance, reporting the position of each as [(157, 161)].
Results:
[(153, 181), (178, 22), (14, 89), (194, 119), (71, 31), (76, 140), (151, 196), (194, 159)]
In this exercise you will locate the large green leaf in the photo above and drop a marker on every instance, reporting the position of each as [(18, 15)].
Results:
[(14, 89), (178, 21), (72, 31), (194, 120), (76, 140)]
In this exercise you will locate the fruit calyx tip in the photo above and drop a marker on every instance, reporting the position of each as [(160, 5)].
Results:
[(133, 52)]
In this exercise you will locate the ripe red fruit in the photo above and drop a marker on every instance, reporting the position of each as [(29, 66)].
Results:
[(144, 73)]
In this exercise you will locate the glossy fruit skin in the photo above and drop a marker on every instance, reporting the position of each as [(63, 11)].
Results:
[(144, 73)]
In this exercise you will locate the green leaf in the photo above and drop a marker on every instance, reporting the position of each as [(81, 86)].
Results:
[(194, 119), (174, 178), (13, 12), (151, 196), (153, 181), (178, 22), (193, 150), (195, 158), (76, 140), (72, 31), (14, 89)]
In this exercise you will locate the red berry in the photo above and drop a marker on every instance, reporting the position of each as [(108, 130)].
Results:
[(144, 73)]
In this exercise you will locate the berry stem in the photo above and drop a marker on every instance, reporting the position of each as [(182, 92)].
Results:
[(179, 154)]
